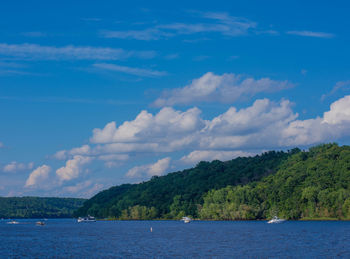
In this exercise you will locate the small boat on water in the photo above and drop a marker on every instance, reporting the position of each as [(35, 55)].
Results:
[(86, 219), (275, 220), (13, 222), (186, 219), (40, 223)]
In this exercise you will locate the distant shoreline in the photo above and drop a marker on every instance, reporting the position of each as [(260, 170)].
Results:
[(303, 219)]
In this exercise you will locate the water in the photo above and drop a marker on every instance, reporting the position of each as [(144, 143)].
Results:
[(174, 239)]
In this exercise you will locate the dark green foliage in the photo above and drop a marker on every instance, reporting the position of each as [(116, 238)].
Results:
[(314, 184), (37, 207), (181, 193)]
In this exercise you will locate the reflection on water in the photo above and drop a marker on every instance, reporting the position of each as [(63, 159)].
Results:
[(65, 238)]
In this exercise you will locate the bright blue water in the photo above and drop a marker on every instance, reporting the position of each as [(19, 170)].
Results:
[(174, 239)]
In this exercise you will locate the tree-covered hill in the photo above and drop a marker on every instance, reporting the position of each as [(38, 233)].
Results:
[(181, 193), (38, 207), (309, 185)]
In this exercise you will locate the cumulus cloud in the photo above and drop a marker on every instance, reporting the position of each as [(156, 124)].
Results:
[(84, 189), (39, 52), (159, 167), (209, 155), (339, 113), (38, 176), (73, 168), (156, 169), (113, 160), (15, 166), (83, 150), (334, 125), (224, 88), (64, 154), (60, 155), (166, 124), (263, 125), (257, 126)]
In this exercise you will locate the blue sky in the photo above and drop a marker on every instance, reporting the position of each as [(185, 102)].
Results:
[(98, 94)]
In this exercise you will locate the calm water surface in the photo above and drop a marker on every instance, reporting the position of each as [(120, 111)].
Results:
[(174, 239)]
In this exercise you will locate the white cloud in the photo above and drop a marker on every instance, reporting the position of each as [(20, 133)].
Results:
[(225, 88), (210, 155), (15, 166), (252, 119), (111, 164), (114, 157), (39, 52), (136, 171), (156, 169), (225, 24), (339, 112), (83, 150), (13, 69), (113, 160), (64, 154), (257, 126), (159, 167), (38, 176), (78, 187), (339, 86), (60, 155), (84, 189), (263, 125), (167, 124), (334, 125), (73, 168), (146, 34), (130, 70), (221, 23), (312, 34)]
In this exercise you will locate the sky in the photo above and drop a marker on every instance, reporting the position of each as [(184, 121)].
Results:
[(100, 93)]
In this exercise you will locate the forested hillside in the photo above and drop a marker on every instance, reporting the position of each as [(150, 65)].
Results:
[(309, 185), (37, 207), (181, 193)]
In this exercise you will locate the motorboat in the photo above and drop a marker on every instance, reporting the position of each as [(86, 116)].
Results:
[(86, 219), (275, 220), (13, 222), (40, 223), (186, 219)]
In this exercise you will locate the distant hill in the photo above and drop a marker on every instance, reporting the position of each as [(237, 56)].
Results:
[(38, 207), (181, 193), (309, 185)]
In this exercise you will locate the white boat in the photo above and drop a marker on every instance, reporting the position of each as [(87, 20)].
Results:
[(13, 222), (186, 219), (86, 219), (275, 220)]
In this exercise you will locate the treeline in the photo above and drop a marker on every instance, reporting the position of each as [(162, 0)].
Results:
[(38, 207), (181, 193), (309, 185)]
